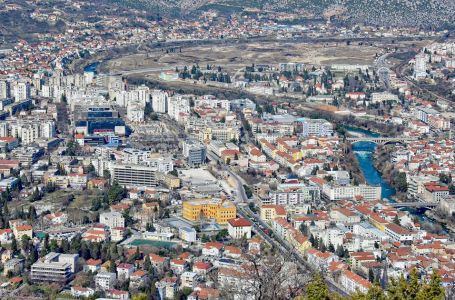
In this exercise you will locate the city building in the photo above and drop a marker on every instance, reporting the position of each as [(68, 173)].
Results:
[(105, 280), (195, 152), (133, 175), (239, 228), (55, 267), (112, 219), (219, 210)]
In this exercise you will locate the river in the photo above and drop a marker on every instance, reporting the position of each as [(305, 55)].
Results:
[(364, 153), (91, 67)]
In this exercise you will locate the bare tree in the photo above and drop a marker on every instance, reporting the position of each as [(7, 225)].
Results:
[(267, 276)]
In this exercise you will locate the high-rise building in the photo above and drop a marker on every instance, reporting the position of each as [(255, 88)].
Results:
[(22, 91), (420, 67), (133, 175), (159, 101), (5, 91), (55, 267), (195, 152)]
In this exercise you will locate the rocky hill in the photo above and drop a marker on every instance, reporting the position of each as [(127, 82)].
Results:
[(415, 13)]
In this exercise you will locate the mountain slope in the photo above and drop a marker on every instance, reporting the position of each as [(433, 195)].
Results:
[(420, 13)]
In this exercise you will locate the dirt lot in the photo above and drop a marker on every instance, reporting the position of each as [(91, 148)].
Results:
[(233, 57)]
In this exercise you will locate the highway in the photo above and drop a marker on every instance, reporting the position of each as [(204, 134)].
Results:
[(383, 70)]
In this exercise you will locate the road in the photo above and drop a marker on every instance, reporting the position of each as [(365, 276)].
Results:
[(285, 248), (258, 225), (241, 194), (383, 70)]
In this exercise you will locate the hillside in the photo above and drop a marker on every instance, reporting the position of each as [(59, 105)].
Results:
[(416, 13)]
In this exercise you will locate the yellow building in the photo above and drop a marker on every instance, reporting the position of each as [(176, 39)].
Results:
[(299, 241), (217, 209), (269, 212)]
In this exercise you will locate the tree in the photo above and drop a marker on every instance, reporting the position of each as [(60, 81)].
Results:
[(452, 189), (370, 275), (14, 245), (317, 289), (444, 178), (147, 263), (141, 296), (396, 220), (401, 182)]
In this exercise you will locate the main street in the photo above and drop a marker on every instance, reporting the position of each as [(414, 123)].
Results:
[(259, 228)]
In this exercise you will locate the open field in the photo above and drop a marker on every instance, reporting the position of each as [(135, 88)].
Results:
[(235, 56)]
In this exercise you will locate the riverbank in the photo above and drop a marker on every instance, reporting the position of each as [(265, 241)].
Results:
[(364, 153), (382, 161)]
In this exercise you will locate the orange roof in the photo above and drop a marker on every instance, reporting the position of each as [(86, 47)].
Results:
[(8, 139), (24, 227), (94, 262), (139, 273), (216, 245), (156, 258), (15, 280), (176, 261), (279, 210), (239, 222), (232, 249), (359, 280), (201, 265)]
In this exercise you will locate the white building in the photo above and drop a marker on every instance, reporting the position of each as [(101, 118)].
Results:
[(420, 67), (353, 282), (187, 234), (195, 152), (384, 96), (159, 101), (105, 280), (189, 280), (340, 192), (239, 228), (112, 219), (319, 127), (22, 91)]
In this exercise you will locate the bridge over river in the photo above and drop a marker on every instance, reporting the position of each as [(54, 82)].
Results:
[(381, 140)]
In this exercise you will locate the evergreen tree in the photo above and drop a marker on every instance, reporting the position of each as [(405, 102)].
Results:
[(317, 289), (14, 245), (370, 275)]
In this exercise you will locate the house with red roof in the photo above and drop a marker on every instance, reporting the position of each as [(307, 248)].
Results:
[(93, 265), (353, 282), (269, 212), (239, 228), (201, 268), (138, 278), (212, 249), (204, 293), (117, 294), (124, 271), (159, 262), (399, 234), (178, 266), (6, 235), (232, 252), (320, 260)]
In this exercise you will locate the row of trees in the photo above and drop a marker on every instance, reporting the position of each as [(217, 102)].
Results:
[(401, 289)]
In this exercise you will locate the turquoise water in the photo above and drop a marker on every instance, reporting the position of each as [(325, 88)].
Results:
[(91, 67), (364, 153)]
